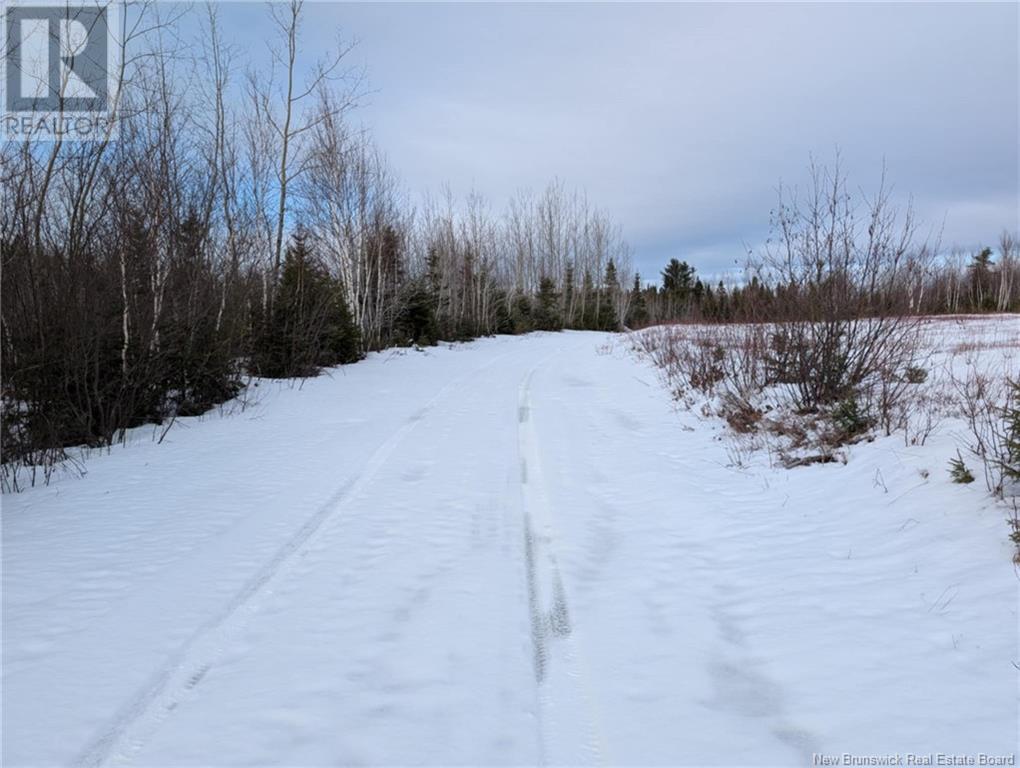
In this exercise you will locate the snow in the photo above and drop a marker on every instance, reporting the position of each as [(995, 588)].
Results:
[(511, 551)]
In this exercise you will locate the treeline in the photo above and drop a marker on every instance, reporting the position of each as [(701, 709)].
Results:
[(241, 224), (923, 284)]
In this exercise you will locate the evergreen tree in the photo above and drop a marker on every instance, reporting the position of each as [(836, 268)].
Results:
[(309, 324), (637, 312), (698, 292), (709, 308), (1011, 432), (722, 301), (606, 319), (980, 268), (523, 322), (546, 310), (197, 366), (341, 337), (416, 321), (677, 286), (737, 302), (678, 278), (612, 282)]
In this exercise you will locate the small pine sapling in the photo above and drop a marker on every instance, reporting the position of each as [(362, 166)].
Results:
[(959, 471)]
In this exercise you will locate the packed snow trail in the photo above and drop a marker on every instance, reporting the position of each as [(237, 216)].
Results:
[(505, 552)]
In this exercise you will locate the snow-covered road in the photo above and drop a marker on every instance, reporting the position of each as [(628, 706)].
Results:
[(511, 551)]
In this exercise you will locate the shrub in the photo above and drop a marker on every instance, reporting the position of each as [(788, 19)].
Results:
[(843, 318), (739, 413), (703, 362), (989, 403), (915, 374)]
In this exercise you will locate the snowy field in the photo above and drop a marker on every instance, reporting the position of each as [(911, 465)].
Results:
[(514, 551)]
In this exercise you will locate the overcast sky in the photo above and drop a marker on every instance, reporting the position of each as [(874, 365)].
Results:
[(681, 119)]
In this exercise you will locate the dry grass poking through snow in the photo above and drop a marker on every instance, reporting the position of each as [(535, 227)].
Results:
[(958, 375)]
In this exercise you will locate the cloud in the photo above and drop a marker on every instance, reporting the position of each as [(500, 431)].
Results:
[(681, 119)]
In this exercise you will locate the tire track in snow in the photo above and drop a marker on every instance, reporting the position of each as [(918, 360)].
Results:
[(568, 720), (138, 719)]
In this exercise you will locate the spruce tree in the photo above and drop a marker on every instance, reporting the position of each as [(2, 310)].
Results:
[(980, 269), (698, 293), (416, 322), (637, 311), (341, 337), (546, 311), (606, 319), (678, 278), (677, 285), (1011, 439), (709, 309), (722, 301), (283, 348), (309, 324), (612, 282), (1011, 462), (523, 322)]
